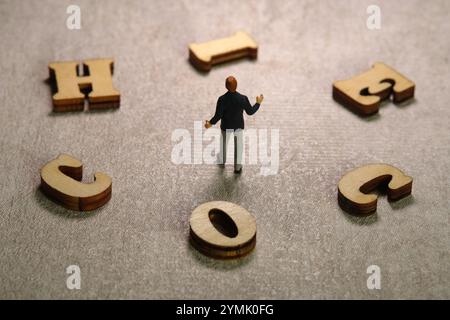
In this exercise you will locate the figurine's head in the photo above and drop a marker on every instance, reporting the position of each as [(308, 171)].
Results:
[(231, 84)]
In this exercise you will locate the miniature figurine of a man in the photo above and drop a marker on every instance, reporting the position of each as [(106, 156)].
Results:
[(230, 108)]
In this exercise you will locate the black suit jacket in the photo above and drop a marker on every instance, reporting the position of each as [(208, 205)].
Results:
[(230, 108)]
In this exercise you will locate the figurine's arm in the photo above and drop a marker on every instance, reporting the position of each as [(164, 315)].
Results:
[(217, 116), (248, 107)]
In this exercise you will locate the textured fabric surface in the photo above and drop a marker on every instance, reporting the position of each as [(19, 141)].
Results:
[(307, 247)]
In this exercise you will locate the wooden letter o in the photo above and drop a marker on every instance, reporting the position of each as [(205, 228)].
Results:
[(222, 230)]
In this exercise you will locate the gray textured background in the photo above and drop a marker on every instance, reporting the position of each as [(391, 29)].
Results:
[(136, 246)]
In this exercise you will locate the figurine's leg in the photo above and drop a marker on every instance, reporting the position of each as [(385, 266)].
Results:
[(238, 148), (224, 137)]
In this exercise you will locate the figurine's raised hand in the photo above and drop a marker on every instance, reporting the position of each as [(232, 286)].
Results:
[(259, 99), (208, 124)]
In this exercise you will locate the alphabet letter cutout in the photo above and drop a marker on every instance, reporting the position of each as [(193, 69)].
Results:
[(61, 181), (354, 186), (221, 229), (364, 92), (97, 78), (204, 55)]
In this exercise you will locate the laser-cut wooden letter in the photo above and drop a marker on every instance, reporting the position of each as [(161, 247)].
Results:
[(97, 78), (61, 181), (354, 186), (204, 55), (223, 230), (364, 92)]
